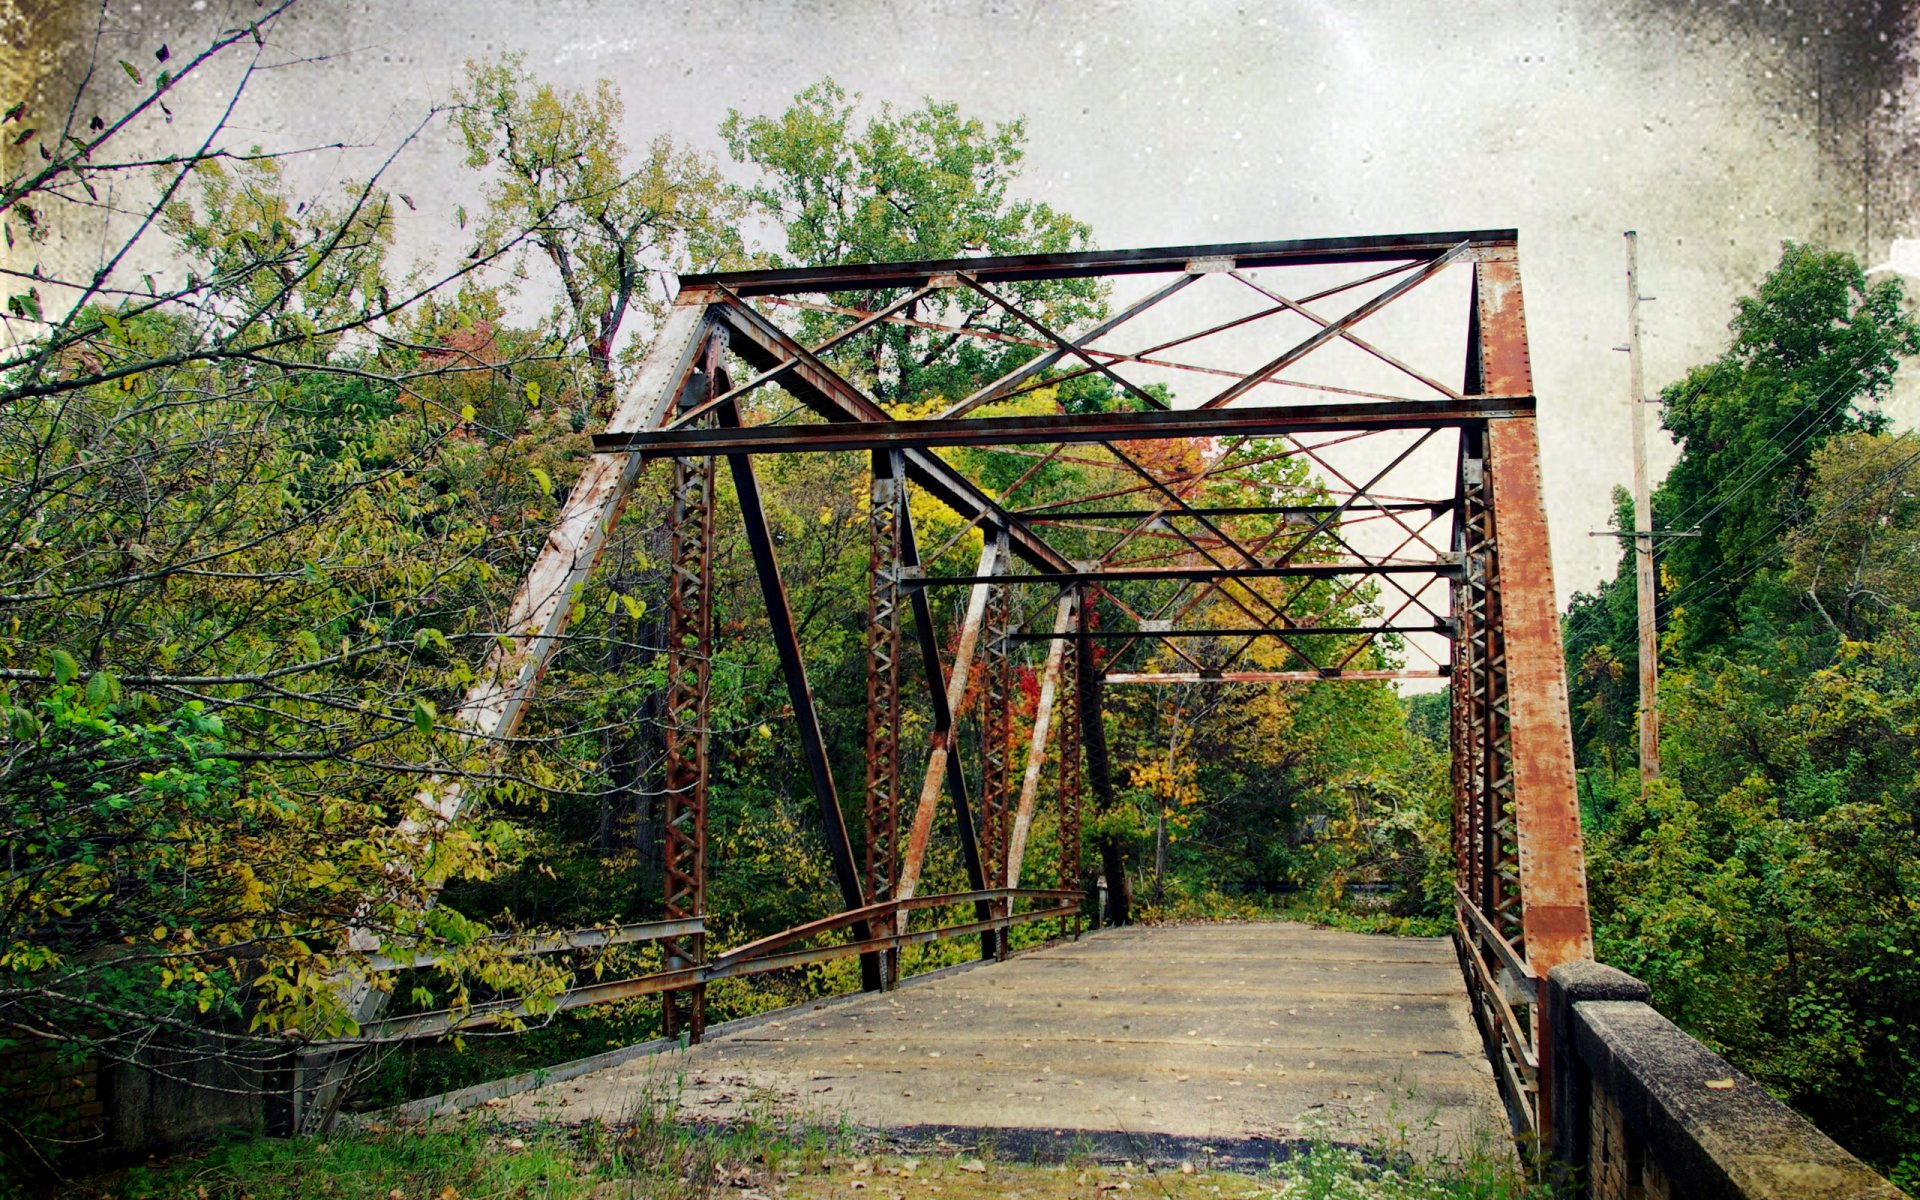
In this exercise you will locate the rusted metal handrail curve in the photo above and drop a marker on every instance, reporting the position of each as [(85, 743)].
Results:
[(880, 911), (768, 954)]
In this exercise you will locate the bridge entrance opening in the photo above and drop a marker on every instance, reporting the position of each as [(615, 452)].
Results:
[(1364, 405)]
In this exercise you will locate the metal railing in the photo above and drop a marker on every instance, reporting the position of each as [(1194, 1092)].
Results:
[(1499, 979), (882, 926)]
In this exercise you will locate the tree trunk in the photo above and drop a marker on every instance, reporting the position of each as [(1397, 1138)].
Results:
[(1113, 863), (1093, 742)]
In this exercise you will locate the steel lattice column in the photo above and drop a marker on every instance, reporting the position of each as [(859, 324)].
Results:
[(1484, 846), (996, 734), (689, 658), (884, 709), (1069, 773)]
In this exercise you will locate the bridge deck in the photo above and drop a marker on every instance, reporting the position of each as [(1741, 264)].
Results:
[(1241, 1031)]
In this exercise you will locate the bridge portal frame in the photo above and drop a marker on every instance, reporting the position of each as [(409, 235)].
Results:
[(1520, 869)]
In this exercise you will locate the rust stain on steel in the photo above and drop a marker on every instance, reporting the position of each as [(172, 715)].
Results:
[(1553, 868), (1270, 676), (942, 743), (1505, 369), (1064, 619)]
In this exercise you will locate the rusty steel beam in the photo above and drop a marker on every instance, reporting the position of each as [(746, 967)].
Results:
[(1515, 715), (1256, 510), (1486, 243), (940, 753), (1202, 632), (763, 344), (1370, 676), (878, 432), (935, 674), (886, 507), (1066, 618), (1069, 783), (996, 737), (689, 659), (1318, 570), (1552, 861)]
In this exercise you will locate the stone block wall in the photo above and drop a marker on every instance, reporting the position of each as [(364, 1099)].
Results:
[(1641, 1109), (48, 1097)]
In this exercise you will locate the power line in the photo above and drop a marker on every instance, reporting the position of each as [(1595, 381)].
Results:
[(1725, 583)]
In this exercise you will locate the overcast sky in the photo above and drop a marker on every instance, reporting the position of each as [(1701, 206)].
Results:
[(1715, 129)]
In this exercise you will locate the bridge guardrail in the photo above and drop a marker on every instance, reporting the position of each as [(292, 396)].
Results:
[(1645, 1110), (774, 952), (1499, 979)]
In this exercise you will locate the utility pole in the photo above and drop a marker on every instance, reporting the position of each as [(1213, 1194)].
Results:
[(1642, 531)]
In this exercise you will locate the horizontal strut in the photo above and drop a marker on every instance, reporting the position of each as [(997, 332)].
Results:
[(1489, 243), (1065, 427), (1324, 570), (1274, 676), (1087, 635)]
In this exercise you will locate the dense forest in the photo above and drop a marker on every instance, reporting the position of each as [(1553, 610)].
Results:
[(1767, 885), (267, 493)]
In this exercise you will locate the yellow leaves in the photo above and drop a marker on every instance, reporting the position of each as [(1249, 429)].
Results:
[(635, 607)]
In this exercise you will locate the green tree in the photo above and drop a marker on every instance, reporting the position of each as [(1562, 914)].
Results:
[(1814, 342), (1856, 559), (925, 184), (612, 230), (1601, 633), (252, 541), (1764, 887)]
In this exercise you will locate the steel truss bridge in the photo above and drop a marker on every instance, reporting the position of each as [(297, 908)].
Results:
[(1420, 518)]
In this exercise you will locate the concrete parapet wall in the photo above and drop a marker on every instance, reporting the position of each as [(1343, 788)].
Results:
[(1644, 1110)]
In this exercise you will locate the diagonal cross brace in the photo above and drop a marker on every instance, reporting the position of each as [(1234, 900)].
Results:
[(495, 702)]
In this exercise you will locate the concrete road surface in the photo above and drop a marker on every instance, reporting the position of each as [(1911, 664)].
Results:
[(1238, 1033)]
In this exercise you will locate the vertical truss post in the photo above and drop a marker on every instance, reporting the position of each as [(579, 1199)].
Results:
[(941, 697), (1551, 861), (1484, 847), (689, 662), (996, 736), (1068, 776), (885, 516)]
